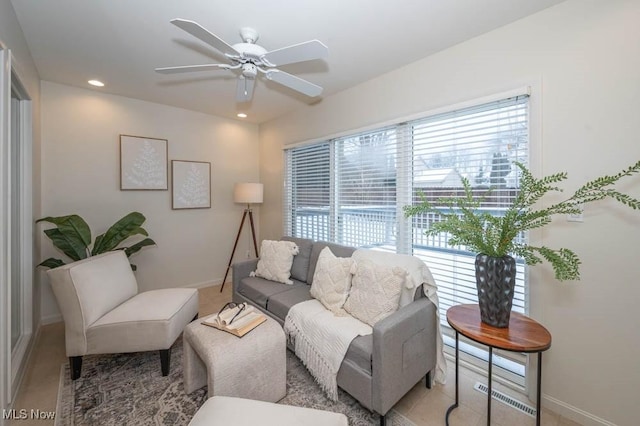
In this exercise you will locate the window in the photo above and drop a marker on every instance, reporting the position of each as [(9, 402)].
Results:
[(351, 190), (365, 172), (308, 192)]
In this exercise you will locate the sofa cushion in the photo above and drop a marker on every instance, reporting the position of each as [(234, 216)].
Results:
[(300, 266), (259, 290), (337, 249), (276, 258), (280, 303), (375, 291), (332, 280), (360, 351)]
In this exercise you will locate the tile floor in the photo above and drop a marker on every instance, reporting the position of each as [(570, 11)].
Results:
[(423, 406)]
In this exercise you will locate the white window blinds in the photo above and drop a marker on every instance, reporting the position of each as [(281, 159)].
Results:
[(365, 170), (478, 143), (308, 192), (351, 190)]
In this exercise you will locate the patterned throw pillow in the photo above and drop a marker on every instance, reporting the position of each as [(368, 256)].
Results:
[(276, 258), (332, 280), (375, 291)]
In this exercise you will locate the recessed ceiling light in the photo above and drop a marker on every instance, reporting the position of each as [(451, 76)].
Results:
[(242, 115), (96, 83)]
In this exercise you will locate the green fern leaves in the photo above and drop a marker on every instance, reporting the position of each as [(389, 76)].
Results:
[(496, 236)]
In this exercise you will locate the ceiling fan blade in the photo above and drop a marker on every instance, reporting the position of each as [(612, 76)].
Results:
[(191, 68), (199, 32), (306, 51), (244, 89), (293, 82)]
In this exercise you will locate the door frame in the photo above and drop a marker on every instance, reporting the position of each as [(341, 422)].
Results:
[(25, 157), (12, 363), (5, 273)]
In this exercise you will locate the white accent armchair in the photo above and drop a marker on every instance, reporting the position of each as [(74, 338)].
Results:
[(104, 313)]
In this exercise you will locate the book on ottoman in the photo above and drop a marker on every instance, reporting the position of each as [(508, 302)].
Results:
[(237, 319)]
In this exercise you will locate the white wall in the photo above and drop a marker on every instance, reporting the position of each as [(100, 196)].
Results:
[(80, 174), (582, 59)]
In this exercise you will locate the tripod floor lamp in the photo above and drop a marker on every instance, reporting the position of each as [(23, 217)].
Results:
[(245, 193)]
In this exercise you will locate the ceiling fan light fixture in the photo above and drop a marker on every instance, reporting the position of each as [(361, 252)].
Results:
[(242, 115), (249, 70), (96, 83)]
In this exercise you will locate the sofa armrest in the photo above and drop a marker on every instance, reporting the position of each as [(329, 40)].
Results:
[(242, 270), (404, 351)]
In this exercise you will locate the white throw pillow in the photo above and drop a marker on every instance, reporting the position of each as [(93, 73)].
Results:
[(375, 291), (276, 258), (332, 280)]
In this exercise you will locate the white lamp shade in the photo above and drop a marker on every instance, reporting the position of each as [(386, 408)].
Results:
[(248, 193)]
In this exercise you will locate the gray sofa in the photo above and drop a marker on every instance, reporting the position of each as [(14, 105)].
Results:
[(378, 369)]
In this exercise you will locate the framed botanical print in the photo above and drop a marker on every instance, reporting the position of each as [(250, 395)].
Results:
[(143, 163), (190, 184)]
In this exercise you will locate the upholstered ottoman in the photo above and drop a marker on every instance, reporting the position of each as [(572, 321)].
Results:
[(221, 410), (253, 366)]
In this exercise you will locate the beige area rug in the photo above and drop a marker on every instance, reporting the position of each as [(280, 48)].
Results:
[(128, 389)]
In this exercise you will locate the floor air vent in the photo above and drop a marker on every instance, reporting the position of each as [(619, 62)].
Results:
[(506, 399)]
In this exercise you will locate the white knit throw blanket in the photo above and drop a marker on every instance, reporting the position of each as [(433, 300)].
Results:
[(321, 340)]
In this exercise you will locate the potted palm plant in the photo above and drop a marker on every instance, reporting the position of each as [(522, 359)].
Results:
[(495, 238), (72, 236)]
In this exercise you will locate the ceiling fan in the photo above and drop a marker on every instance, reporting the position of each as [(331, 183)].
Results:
[(252, 59)]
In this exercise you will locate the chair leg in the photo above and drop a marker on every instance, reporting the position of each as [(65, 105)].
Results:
[(383, 420), (75, 363), (427, 380), (165, 361)]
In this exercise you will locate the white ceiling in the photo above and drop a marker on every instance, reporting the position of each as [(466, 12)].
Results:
[(121, 42)]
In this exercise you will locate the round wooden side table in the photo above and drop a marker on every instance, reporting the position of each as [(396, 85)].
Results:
[(523, 335)]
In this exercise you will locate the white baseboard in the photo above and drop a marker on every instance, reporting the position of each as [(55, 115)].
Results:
[(204, 284), (557, 406), (573, 413), (23, 369)]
